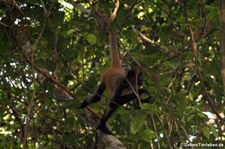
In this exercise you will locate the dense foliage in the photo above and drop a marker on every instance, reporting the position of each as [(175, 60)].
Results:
[(50, 48)]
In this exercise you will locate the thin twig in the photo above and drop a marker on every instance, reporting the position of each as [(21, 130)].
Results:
[(128, 15), (154, 126), (3, 24), (170, 18), (27, 122), (44, 8), (144, 38)]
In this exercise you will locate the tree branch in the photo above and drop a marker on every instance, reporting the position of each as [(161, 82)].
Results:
[(222, 43), (150, 42), (128, 15), (80, 7)]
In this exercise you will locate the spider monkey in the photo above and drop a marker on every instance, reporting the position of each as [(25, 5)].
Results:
[(118, 83)]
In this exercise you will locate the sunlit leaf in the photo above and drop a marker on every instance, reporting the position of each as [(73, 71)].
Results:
[(91, 38), (137, 122), (214, 131), (71, 31), (147, 135), (149, 107), (190, 117), (206, 132)]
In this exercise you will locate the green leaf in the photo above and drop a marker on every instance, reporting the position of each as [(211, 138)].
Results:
[(70, 104), (67, 78), (206, 132), (147, 135), (4, 101), (137, 122), (31, 1), (91, 38), (122, 111), (147, 6), (165, 11), (50, 65), (190, 117), (181, 102), (151, 59), (70, 32), (69, 121), (2, 110), (101, 40), (149, 107), (214, 131), (212, 13), (201, 115), (68, 138)]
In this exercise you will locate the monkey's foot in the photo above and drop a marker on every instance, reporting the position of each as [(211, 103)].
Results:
[(104, 128)]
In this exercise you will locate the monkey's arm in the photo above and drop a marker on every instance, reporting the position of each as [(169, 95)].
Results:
[(95, 97), (120, 100)]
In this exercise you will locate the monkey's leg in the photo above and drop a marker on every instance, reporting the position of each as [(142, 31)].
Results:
[(108, 113), (113, 105), (94, 98), (112, 108)]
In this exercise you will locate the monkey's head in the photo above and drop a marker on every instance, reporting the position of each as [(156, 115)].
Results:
[(135, 77)]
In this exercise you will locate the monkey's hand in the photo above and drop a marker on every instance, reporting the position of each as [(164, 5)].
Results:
[(147, 97)]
